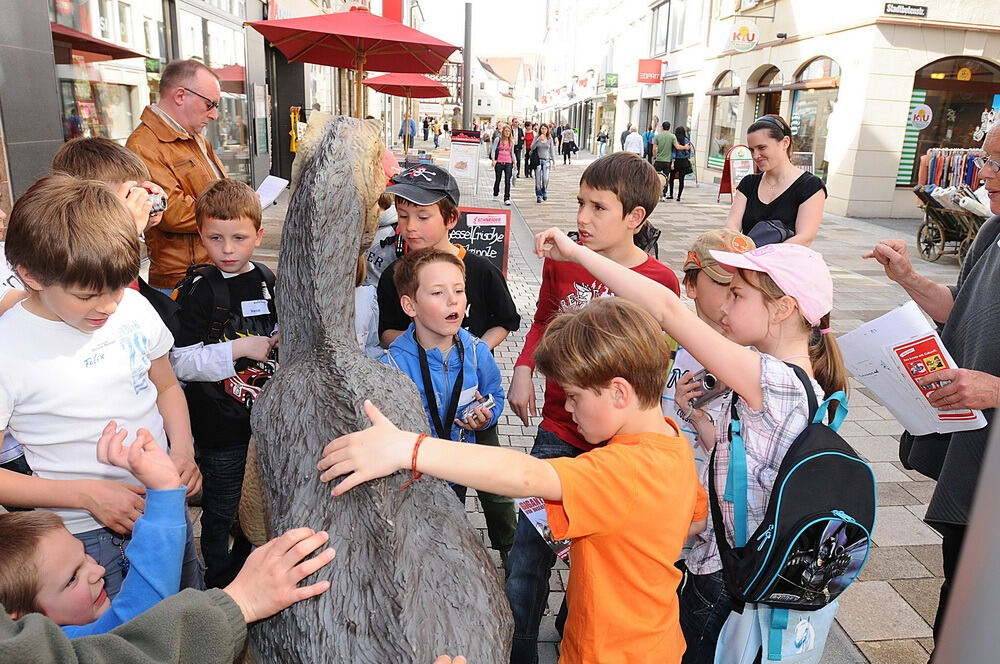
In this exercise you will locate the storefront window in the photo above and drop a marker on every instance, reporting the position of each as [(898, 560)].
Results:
[(813, 101), (767, 101), (222, 48), (725, 107), (957, 90), (93, 109)]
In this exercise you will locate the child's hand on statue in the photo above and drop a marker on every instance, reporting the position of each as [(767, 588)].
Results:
[(378, 451), (269, 580)]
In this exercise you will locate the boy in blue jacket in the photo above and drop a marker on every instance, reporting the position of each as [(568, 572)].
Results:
[(49, 572), (453, 370)]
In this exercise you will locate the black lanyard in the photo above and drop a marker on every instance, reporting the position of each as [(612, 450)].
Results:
[(456, 391)]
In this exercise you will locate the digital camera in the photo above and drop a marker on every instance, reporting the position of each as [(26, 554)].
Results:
[(489, 402), (711, 387)]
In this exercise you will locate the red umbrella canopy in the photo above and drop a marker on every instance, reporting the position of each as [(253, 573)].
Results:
[(356, 39), (408, 85)]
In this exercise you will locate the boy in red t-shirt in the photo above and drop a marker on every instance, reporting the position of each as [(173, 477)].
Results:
[(627, 507), (617, 194)]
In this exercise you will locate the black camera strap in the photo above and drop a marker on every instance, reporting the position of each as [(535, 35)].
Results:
[(456, 391)]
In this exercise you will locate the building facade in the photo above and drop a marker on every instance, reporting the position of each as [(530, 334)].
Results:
[(867, 88)]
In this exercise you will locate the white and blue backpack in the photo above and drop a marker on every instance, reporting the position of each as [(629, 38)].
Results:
[(814, 539)]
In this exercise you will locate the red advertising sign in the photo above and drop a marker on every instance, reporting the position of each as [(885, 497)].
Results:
[(649, 71)]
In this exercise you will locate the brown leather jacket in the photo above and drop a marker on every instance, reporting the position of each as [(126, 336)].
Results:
[(178, 165)]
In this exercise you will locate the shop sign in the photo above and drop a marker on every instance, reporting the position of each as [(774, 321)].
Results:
[(795, 124), (744, 36), (897, 9), (610, 81), (649, 71), (921, 116), (152, 66), (964, 74)]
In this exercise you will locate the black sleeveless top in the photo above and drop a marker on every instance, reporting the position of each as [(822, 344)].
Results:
[(785, 207)]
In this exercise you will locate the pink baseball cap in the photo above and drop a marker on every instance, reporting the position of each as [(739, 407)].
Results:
[(798, 271)]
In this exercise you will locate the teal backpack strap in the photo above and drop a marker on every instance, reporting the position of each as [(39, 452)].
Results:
[(839, 415), (779, 623), (736, 478)]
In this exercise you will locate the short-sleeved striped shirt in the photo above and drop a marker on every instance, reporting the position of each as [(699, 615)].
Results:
[(767, 435)]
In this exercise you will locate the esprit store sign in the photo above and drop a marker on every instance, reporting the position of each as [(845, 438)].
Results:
[(650, 70), (744, 36)]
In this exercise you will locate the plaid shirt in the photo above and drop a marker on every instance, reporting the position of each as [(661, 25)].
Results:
[(767, 435)]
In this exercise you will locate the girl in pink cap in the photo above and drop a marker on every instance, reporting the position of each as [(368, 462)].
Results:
[(777, 312)]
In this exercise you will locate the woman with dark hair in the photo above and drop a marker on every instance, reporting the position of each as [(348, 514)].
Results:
[(781, 203), (680, 163)]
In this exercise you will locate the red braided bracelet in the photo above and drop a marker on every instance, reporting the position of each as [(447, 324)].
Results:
[(413, 463)]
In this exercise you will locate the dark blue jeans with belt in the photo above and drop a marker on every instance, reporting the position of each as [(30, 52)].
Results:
[(531, 561)]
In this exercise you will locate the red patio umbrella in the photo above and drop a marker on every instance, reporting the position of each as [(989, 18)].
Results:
[(409, 86), (357, 40)]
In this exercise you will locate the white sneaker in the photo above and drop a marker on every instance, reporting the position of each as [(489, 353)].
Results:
[(507, 202)]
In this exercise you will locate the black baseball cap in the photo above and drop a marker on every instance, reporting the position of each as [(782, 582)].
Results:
[(425, 184)]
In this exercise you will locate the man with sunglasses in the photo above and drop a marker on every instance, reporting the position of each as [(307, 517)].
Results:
[(169, 140), (970, 312)]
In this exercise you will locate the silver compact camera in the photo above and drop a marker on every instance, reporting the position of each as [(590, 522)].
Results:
[(711, 387), (467, 412), (158, 201)]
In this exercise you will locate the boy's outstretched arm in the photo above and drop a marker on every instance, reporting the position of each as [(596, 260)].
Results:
[(173, 409), (382, 449)]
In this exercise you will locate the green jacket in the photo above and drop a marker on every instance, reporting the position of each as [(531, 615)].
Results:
[(202, 627)]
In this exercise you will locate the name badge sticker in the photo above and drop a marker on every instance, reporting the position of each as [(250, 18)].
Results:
[(254, 308)]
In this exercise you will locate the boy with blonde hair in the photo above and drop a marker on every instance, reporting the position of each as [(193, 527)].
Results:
[(610, 358), (82, 349), (617, 194)]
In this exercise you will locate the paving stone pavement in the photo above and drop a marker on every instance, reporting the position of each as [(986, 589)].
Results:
[(885, 616)]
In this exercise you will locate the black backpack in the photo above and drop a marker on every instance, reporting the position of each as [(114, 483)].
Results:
[(220, 294), (816, 532)]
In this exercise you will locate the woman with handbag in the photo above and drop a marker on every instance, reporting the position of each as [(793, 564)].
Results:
[(781, 203), (602, 141), (542, 156), (680, 163), (568, 144)]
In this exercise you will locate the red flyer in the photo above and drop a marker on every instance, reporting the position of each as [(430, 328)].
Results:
[(925, 356)]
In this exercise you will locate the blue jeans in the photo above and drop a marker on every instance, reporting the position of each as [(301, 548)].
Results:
[(705, 605), (542, 178), (222, 470), (105, 546), (531, 562)]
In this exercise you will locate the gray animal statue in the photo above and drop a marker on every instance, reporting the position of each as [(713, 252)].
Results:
[(411, 579)]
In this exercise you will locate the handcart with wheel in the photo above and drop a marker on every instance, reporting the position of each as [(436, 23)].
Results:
[(944, 230)]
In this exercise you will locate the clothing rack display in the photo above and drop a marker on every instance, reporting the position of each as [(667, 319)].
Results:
[(950, 167)]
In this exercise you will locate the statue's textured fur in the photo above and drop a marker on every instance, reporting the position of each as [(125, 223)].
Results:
[(411, 578)]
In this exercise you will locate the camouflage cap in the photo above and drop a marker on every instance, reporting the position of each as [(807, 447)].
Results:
[(722, 239)]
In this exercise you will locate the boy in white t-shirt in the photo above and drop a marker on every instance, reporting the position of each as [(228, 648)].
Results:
[(80, 350), (707, 283), (11, 292)]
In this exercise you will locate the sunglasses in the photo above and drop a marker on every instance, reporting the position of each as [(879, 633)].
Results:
[(211, 104)]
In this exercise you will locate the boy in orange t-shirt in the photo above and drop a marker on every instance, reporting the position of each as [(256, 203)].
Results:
[(627, 506)]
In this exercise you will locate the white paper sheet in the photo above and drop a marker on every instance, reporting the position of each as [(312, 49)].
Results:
[(270, 189), (888, 353)]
